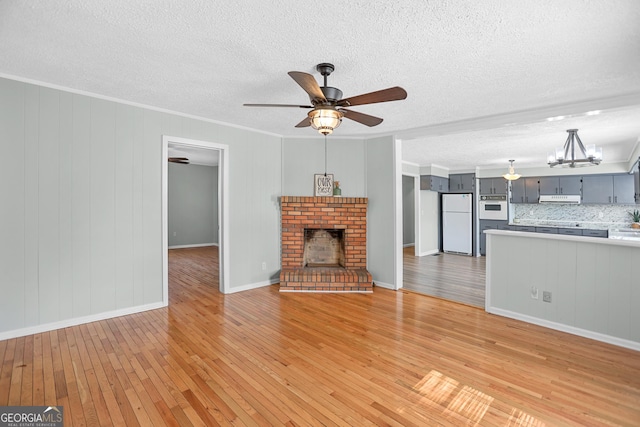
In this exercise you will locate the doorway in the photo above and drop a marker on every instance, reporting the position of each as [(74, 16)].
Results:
[(211, 149)]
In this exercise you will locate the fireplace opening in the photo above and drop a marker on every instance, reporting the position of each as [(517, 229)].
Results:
[(323, 247)]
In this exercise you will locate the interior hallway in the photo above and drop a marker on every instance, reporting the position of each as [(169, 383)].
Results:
[(456, 278)]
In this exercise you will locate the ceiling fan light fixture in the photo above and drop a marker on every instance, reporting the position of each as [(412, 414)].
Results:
[(325, 119), (511, 175)]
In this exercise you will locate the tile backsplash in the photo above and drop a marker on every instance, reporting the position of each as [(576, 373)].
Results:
[(588, 216)]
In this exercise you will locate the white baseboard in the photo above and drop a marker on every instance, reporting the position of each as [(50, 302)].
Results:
[(633, 345), (250, 286), (78, 321), (384, 285), (408, 245), (199, 245), (431, 252)]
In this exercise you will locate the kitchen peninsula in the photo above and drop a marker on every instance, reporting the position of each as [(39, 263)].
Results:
[(586, 286)]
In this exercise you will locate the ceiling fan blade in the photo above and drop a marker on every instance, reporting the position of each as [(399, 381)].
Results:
[(306, 122), (391, 94), (309, 84), (278, 105), (182, 160), (365, 119)]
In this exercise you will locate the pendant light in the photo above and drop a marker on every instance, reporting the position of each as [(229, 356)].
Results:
[(511, 175), (568, 157)]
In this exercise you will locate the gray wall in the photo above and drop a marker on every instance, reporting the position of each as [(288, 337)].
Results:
[(192, 204), (408, 210), (429, 222), (304, 157), (381, 230), (81, 190), (593, 283)]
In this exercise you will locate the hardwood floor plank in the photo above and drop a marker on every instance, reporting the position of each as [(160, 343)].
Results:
[(452, 277), (38, 372), (26, 397), (6, 370), (16, 376), (261, 357)]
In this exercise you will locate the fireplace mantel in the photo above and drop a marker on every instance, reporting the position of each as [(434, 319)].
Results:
[(345, 213)]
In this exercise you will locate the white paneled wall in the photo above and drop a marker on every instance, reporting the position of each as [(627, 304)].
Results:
[(593, 283), (305, 157), (382, 180), (81, 205)]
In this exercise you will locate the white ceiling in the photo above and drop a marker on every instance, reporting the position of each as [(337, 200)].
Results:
[(482, 76)]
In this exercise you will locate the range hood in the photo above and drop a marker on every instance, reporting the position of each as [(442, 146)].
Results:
[(560, 198)]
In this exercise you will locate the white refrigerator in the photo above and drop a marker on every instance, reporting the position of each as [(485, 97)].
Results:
[(457, 223)]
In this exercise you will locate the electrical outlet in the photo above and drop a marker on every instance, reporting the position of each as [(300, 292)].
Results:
[(264, 266), (534, 292), (174, 234), (546, 296), (600, 215)]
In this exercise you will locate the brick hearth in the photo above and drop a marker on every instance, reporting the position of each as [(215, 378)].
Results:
[(347, 213)]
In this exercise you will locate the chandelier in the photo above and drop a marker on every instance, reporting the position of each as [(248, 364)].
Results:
[(325, 119), (511, 175), (567, 155)]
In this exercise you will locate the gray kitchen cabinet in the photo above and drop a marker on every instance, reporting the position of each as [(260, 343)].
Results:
[(570, 231), (623, 189), (487, 224), (636, 182), (570, 185), (493, 186), (595, 233), (547, 230), (549, 185), (462, 183), (607, 189), (527, 228), (524, 190), (506, 226), (434, 183), (597, 189)]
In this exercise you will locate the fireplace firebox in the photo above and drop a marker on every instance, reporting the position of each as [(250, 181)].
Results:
[(323, 248)]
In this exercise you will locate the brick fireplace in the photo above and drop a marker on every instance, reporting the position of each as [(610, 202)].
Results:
[(324, 244)]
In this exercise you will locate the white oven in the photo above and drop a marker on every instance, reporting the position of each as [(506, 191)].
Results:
[(493, 207)]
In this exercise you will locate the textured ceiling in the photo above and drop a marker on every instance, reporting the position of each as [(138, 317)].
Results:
[(481, 76)]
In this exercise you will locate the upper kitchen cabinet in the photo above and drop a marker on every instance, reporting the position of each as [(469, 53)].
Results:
[(493, 186), (636, 181), (524, 190), (623, 189), (606, 189), (434, 183), (570, 185), (462, 183)]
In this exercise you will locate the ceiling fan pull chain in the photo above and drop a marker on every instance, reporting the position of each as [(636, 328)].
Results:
[(325, 155)]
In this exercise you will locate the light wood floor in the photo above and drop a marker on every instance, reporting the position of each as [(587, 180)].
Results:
[(263, 358), (457, 278)]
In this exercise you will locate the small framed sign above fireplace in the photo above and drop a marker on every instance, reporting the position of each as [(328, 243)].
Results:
[(322, 184)]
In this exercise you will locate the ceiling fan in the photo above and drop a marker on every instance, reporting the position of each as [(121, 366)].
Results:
[(181, 160), (328, 107)]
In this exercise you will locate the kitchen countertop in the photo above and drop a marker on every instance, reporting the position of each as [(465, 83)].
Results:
[(581, 239), (568, 224)]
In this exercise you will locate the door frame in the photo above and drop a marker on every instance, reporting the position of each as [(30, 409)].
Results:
[(223, 209)]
